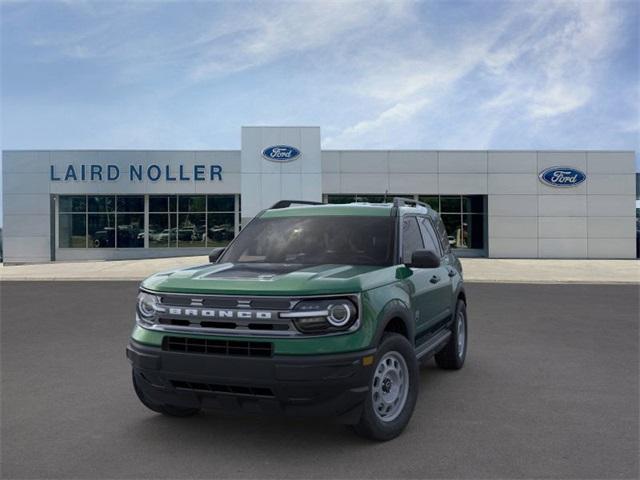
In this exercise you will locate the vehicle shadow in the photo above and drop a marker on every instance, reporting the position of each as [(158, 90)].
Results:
[(268, 432)]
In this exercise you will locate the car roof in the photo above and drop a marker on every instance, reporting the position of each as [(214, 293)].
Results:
[(357, 209)]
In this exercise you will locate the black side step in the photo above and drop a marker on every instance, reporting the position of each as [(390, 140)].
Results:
[(432, 345)]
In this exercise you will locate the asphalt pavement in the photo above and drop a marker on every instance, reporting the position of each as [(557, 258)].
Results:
[(550, 390)]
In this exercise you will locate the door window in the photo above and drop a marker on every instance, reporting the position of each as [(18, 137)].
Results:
[(411, 238), (442, 233), (431, 241)]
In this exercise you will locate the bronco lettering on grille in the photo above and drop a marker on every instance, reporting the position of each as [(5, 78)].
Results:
[(213, 313)]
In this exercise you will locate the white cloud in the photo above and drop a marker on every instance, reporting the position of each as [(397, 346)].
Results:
[(539, 60), (254, 38)]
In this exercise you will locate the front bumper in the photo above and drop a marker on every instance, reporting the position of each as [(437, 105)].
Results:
[(318, 385)]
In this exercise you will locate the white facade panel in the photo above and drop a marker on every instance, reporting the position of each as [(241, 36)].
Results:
[(331, 183), (330, 162), (513, 205), (513, 162), (462, 162), (612, 205), (512, 183), (562, 205), (290, 186), (26, 249), (27, 204), (364, 162), (513, 227), (562, 247), (602, 184), (17, 183), (25, 161), (37, 225), (611, 227), (471, 184), (364, 183), (271, 189), (413, 183), (562, 227), (575, 159), (513, 247), (413, 162), (612, 248), (611, 162)]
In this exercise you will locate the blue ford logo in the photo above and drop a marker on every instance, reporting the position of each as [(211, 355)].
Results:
[(281, 153), (562, 177)]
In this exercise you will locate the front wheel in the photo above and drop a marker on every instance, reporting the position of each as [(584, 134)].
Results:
[(452, 356), (393, 390)]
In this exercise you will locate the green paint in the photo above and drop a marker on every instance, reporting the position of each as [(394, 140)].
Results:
[(315, 280)]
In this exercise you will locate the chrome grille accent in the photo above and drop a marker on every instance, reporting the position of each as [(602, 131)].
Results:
[(231, 314)]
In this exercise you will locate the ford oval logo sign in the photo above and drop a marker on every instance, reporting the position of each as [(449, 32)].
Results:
[(281, 153), (562, 177)]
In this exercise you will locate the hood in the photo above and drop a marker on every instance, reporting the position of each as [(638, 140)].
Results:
[(271, 279)]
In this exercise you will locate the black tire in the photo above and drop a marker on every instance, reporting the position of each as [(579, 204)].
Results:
[(169, 410), (371, 425), (451, 357)]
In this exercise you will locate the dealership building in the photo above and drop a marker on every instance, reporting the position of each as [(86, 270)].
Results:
[(121, 204)]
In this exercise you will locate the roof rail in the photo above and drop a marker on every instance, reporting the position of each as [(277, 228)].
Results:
[(405, 202), (288, 203)]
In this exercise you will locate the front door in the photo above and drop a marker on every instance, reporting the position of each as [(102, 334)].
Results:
[(426, 285)]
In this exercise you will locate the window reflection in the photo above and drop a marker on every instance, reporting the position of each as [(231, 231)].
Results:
[(101, 230), (73, 230), (130, 230), (220, 229), (191, 230)]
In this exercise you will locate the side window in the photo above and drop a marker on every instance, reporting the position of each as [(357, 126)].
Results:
[(411, 238), (431, 240), (442, 233)]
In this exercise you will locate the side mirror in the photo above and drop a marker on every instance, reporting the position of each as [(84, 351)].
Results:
[(424, 259), (215, 254)]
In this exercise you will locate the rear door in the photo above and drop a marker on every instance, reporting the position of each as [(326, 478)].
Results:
[(440, 298)]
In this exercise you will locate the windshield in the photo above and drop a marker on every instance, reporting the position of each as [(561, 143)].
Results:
[(343, 240)]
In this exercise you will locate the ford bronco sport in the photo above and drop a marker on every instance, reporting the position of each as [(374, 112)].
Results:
[(312, 310)]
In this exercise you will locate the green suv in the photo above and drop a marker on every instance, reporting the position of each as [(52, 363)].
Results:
[(311, 310)]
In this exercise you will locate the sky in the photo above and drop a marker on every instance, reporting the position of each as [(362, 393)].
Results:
[(373, 74)]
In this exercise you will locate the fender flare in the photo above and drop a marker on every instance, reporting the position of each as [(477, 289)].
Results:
[(395, 309)]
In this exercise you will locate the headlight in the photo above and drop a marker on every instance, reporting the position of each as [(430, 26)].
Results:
[(147, 304), (323, 315)]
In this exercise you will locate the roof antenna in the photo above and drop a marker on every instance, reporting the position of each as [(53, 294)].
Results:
[(385, 196)]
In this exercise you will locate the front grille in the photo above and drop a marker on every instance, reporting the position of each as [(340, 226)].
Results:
[(230, 389), (264, 325), (217, 347)]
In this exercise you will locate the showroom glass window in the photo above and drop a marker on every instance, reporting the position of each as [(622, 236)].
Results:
[(191, 221), (464, 216), (72, 221), (101, 221)]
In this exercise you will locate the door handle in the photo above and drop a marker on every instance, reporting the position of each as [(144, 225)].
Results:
[(452, 272), (435, 279)]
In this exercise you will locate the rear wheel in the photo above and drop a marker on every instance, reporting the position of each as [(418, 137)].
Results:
[(452, 356), (170, 410), (393, 390)]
